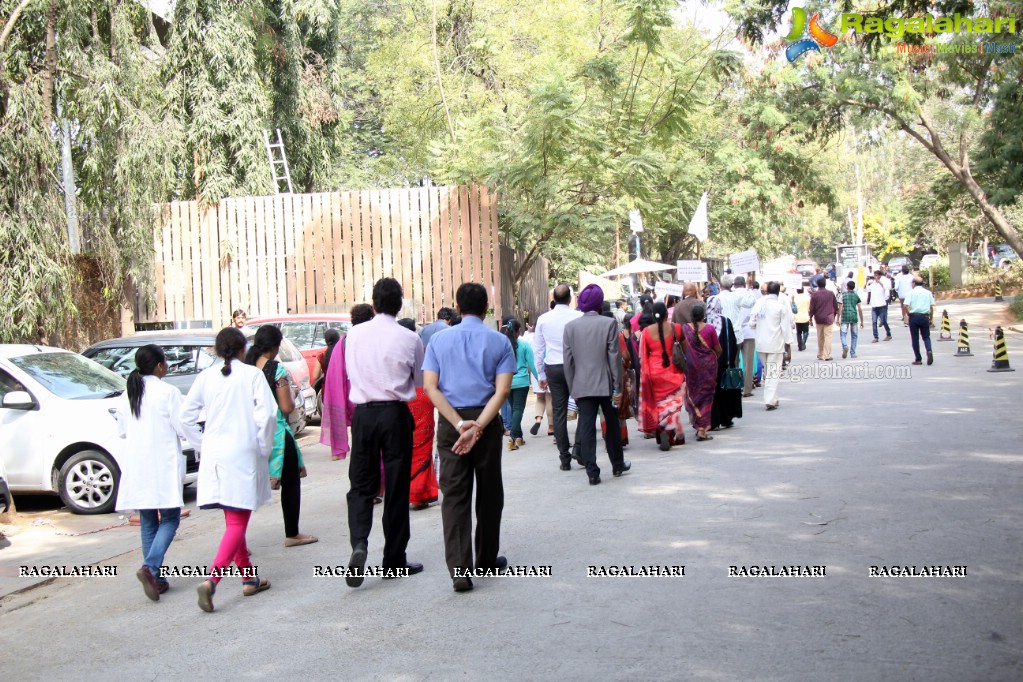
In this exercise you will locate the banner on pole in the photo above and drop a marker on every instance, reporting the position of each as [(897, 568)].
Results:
[(635, 220), (668, 289), (744, 261), (692, 271)]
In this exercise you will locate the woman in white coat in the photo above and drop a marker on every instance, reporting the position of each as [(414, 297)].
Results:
[(152, 466), (234, 446)]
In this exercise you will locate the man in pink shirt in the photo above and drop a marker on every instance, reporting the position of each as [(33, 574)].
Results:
[(384, 363)]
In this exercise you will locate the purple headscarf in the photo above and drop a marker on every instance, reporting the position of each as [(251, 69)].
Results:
[(591, 299)]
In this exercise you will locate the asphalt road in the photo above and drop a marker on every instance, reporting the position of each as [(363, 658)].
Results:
[(849, 473)]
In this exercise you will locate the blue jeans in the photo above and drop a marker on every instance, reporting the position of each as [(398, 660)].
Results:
[(880, 314), (849, 329), (158, 528), (920, 325)]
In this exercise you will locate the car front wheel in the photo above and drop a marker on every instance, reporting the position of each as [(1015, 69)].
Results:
[(88, 483)]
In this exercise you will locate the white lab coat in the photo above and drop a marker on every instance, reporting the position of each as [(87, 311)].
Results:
[(235, 445), (152, 465)]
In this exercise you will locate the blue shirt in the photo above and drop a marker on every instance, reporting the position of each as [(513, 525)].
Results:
[(468, 357), (919, 301), (427, 332)]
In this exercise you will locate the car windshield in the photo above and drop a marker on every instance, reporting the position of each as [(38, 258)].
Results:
[(71, 376)]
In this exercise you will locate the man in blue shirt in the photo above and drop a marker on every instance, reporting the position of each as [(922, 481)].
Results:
[(444, 316), (467, 373), (919, 305)]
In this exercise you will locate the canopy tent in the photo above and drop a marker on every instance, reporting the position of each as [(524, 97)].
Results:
[(637, 266), (612, 290)]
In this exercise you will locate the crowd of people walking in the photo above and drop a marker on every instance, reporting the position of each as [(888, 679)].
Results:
[(391, 395)]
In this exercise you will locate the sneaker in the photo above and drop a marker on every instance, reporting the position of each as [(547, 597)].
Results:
[(520, 442), (888, 338), (845, 353), (148, 581), (930, 358), (874, 341), (512, 445), (853, 356)]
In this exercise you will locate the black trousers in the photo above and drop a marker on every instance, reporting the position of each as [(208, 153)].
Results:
[(381, 430), (291, 487), (481, 465), (802, 334), (558, 384), (586, 433)]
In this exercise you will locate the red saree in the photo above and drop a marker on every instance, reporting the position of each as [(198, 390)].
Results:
[(423, 487), (661, 389)]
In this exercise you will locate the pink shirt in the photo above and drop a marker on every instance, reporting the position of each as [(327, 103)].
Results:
[(384, 361)]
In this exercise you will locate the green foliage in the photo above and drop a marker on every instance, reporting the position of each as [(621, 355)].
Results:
[(942, 276), (1016, 306)]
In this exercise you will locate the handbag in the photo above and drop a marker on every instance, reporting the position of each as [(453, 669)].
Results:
[(678, 354), (732, 379)]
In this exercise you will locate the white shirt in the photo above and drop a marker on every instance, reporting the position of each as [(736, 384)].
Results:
[(548, 339), (903, 284), (384, 361), (152, 465), (878, 294), (745, 300), (772, 320), (235, 445), (729, 301)]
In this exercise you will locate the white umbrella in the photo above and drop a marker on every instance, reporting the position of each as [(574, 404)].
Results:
[(637, 266)]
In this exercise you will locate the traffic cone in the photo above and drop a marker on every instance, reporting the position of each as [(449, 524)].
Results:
[(998, 291), (946, 328), (1001, 361), (964, 341)]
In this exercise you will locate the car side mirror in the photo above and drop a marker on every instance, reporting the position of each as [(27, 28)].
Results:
[(19, 400)]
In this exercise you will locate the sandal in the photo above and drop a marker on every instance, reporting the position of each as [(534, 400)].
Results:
[(704, 436), (254, 586), (300, 539), (206, 589)]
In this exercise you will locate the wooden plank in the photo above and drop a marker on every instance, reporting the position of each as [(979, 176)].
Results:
[(495, 246), (433, 194), (178, 256), (361, 248), (325, 286), (206, 261), (457, 242), (249, 276), (298, 225), (422, 252), (371, 241), (486, 243), (223, 275), (392, 233), (231, 244), (337, 251), (257, 258), (475, 247), (351, 247), (309, 236), (162, 240), (290, 262), (465, 244), (190, 248), (408, 246), (280, 274), (376, 219)]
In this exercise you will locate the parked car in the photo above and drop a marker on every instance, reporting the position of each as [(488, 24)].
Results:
[(929, 260), (306, 331), (5, 492), (57, 433), (190, 352), (897, 262), (1004, 255), (806, 268)]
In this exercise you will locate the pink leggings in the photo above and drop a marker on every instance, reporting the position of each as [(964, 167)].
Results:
[(232, 545)]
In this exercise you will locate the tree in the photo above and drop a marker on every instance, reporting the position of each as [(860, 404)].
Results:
[(939, 102)]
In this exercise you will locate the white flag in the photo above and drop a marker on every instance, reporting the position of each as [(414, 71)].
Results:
[(635, 220), (698, 225)]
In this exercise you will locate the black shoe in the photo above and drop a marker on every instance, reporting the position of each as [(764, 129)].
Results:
[(535, 428), (462, 584), (149, 584), (664, 440), (930, 358), (595, 480), (566, 466), (501, 562), (412, 568), (626, 465), (358, 561)]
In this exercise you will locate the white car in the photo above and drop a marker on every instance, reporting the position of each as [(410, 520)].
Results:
[(57, 434), (929, 260)]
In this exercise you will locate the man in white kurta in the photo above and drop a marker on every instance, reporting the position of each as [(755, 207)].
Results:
[(772, 322)]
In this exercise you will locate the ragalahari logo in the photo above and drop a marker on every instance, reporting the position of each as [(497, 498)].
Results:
[(819, 36)]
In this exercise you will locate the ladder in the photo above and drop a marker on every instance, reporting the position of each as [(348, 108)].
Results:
[(275, 163)]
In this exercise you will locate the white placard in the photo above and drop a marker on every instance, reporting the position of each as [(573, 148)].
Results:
[(668, 289), (635, 220), (692, 271), (793, 281), (744, 261)]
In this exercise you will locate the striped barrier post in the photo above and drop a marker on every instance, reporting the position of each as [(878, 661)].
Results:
[(946, 328), (963, 346), (1001, 361)]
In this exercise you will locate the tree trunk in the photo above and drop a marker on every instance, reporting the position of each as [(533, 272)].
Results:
[(50, 63), (993, 214)]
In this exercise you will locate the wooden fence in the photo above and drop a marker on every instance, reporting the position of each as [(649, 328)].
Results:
[(534, 292), (321, 252)]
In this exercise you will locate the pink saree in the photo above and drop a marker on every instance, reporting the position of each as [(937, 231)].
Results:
[(337, 407)]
